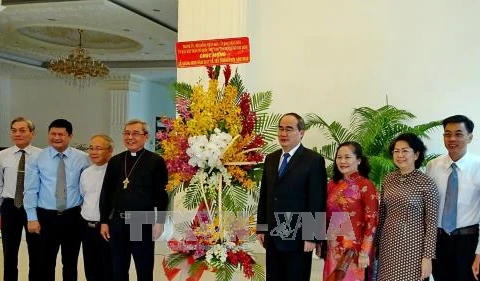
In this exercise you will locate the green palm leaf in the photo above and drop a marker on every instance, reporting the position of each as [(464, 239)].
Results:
[(183, 227), (237, 82), (175, 259), (183, 90), (328, 151), (224, 272), (258, 273), (196, 266), (193, 197), (381, 166), (340, 134), (235, 198), (429, 158), (334, 131), (427, 128), (312, 120), (267, 125), (261, 101), (269, 148), (374, 129)]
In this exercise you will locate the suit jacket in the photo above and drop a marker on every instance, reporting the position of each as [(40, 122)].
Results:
[(301, 188)]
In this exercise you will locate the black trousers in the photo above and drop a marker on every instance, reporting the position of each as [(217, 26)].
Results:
[(60, 230), (97, 260), (122, 249), (14, 220), (287, 266), (455, 255)]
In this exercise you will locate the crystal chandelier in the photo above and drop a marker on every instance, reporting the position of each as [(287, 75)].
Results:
[(78, 68)]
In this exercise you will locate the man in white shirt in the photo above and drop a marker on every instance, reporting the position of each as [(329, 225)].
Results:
[(96, 253), (457, 176), (12, 216)]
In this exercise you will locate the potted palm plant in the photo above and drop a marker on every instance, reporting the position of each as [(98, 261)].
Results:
[(374, 129)]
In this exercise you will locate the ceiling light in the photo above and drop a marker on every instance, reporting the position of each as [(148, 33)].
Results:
[(78, 68)]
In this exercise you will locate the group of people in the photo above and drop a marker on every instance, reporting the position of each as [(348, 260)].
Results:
[(66, 199), (421, 223)]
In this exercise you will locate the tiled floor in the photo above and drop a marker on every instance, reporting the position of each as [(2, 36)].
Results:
[(160, 253)]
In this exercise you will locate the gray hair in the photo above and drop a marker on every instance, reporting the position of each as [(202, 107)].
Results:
[(145, 127), (30, 124), (106, 138)]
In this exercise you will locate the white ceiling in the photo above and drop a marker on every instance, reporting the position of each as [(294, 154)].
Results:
[(125, 34)]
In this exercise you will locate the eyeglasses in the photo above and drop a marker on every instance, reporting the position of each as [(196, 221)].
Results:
[(287, 130), (402, 151), (133, 134), (97, 148)]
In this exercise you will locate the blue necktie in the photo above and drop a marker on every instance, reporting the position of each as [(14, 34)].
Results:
[(449, 217), (283, 166)]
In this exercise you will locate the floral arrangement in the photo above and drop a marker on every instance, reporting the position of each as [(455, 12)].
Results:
[(213, 151)]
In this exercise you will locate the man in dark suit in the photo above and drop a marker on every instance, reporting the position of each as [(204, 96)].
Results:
[(294, 181)]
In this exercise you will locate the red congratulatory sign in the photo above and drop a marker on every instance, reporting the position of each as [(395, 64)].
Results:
[(213, 52)]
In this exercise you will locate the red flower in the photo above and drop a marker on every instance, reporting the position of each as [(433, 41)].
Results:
[(227, 72), (242, 258), (232, 258), (210, 72)]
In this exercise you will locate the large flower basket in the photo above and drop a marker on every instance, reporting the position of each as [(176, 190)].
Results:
[(213, 151)]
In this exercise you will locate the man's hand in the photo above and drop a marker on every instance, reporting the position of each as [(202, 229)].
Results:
[(105, 231), (318, 250), (33, 227), (157, 231), (476, 266), (427, 267), (309, 246), (363, 260), (261, 239)]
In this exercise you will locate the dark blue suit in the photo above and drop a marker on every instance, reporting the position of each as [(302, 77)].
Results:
[(301, 188)]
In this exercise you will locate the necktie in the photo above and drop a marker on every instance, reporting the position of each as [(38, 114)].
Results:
[(449, 217), (61, 190), (18, 200), (283, 166)]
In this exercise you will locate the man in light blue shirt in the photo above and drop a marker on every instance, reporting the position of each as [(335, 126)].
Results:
[(52, 199)]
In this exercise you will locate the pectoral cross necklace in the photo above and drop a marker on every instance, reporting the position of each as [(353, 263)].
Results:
[(126, 181)]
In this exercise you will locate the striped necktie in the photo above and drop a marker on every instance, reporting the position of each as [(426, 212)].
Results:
[(18, 200)]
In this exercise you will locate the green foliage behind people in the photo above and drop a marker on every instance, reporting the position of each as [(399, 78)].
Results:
[(374, 129)]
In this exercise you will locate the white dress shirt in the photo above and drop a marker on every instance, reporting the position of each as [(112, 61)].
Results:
[(468, 204), (291, 152), (9, 159), (91, 182)]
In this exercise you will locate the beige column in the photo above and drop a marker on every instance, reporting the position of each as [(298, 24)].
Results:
[(5, 104), (120, 88)]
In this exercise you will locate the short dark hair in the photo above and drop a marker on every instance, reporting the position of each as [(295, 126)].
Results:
[(300, 121), (363, 167), (415, 143), (459, 119), (61, 123)]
